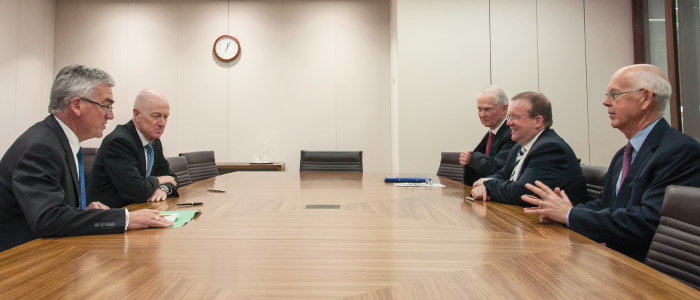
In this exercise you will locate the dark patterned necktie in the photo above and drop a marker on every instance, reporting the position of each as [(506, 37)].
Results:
[(521, 153), (149, 158), (626, 161)]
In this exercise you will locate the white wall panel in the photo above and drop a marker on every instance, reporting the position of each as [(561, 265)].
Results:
[(309, 109), (26, 64), (443, 61), (153, 61), (514, 46), (362, 81), (606, 51), (562, 65), (30, 62), (202, 122), (9, 33), (255, 80)]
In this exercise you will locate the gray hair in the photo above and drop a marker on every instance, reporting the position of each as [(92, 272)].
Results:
[(76, 81), (646, 76), (498, 95)]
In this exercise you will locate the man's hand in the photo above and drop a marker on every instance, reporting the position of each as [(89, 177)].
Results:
[(96, 205), (166, 179), (145, 218), (465, 157), (552, 205), (158, 195), (480, 193), (480, 182)]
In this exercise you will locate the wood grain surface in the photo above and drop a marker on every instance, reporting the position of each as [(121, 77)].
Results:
[(258, 241)]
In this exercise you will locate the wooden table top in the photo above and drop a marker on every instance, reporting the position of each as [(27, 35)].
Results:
[(258, 241)]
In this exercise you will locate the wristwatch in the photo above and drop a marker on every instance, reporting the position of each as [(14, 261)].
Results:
[(165, 189)]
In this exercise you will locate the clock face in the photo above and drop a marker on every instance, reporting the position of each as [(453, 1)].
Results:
[(227, 48)]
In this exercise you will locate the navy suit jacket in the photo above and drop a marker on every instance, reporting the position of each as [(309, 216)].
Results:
[(40, 190), (627, 221), (550, 160), (118, 175), (482, 165)]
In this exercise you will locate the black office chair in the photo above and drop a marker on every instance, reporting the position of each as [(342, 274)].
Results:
[(675, 249), (89, 155), (595, 180), (338, 161), (450, 167), (178, 165), (202, 165)]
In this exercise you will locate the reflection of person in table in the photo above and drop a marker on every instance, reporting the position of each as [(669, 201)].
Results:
[(130, 165)]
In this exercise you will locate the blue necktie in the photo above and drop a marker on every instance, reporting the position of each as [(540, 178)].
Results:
[(82, 178), (149, 158)]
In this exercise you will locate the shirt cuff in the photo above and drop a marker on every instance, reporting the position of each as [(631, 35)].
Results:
[(567, 217), (126, 220)]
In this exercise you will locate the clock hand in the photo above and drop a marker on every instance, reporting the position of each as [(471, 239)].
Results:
[(229, 43)]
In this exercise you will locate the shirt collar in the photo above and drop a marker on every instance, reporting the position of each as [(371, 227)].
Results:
[(495, 130), (638, 139), (532, 141), (144, 141), (73, 140)]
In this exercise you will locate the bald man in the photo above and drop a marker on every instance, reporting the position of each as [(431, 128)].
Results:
[(130, 166), (626, 214)]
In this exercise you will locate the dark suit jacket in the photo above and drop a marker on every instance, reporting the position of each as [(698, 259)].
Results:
[(40, 190), (627, 221), (482, 165), (120, 167), (550, 160)]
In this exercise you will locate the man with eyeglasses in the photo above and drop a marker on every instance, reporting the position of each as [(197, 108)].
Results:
[(626, 213), (42, 187), (540, 155), (130, 166), (490, 155)]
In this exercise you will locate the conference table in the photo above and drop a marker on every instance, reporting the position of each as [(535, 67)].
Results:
[(316, 235)]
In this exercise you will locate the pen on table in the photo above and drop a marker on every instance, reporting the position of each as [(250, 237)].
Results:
[(189, 203), (469, 198)]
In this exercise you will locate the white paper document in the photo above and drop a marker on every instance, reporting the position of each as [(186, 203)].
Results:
[(418, 184)]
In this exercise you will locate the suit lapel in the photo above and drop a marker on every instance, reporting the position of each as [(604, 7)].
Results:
[(139, 149), (641, 159), (70, 159), (544, 134)]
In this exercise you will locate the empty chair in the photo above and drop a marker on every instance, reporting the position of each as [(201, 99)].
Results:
[(178, 165), (675, 249), (339, 161), (595, 180), (201, 164), (450, 167), (88, 161)]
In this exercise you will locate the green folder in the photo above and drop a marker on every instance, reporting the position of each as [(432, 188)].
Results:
[(183, 217)]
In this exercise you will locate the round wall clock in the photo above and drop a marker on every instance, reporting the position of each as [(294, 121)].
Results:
[(226, 48)]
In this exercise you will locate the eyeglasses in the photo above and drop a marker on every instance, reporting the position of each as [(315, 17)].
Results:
[(613, 95), (108, 107), (515, 118)]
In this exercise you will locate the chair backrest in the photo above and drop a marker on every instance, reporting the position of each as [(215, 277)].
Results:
[(338, 161), (450, 167), (202, 165), (178, 165), (89, 155), (675, 249), (595, 180)]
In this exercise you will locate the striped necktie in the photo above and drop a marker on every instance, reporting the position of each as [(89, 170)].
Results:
[(521, 153)]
